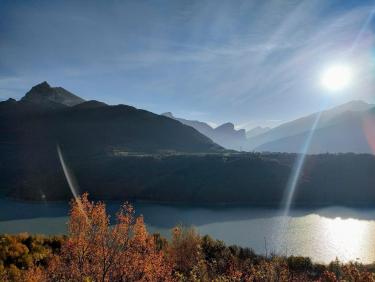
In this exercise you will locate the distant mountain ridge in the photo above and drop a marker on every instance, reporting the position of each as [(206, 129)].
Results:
[(256, 131), (225, 135), (120, 152), (338, 130), (349, 134)]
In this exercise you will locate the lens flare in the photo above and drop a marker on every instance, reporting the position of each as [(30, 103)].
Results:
[(369, 130), (298, 165), (72, 183)]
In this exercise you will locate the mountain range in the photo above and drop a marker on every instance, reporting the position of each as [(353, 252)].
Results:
[(345, 128), (89, 133), (120, 152), (349, 127), (225, 135), (49, 115)]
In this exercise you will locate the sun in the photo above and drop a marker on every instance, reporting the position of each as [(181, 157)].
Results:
[(336, 77)]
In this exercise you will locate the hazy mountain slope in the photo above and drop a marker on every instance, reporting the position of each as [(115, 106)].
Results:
[(229, 137), (44, 93), (202, 127), (256, 131), (304, 124), (350, 132), (225, 135)]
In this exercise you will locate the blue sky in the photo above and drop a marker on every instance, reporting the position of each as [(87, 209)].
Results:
[(249, 62)]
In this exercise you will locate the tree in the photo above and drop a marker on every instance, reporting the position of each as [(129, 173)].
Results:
[(96, 251), (185, 249)]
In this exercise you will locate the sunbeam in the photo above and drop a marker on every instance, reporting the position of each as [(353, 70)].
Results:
[(334, 78), (72, 182), (298, 165), (363, 29)]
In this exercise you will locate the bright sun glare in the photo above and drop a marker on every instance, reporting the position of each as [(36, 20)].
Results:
[(336, 77)]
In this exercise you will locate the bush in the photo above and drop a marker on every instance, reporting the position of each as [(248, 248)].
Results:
[(96, 251)]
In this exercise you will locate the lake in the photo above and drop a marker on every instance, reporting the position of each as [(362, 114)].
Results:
[(322, 234)]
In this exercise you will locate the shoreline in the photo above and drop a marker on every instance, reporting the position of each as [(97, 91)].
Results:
[(270, 205)]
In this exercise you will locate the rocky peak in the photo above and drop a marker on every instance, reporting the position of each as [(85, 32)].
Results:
[(226, 127), (168, 114), (43, 93)]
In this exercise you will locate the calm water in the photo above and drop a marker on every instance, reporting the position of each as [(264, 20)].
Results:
[(322, 234)]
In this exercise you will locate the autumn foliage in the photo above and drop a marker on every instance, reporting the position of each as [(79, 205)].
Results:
[(97, 251), (100, 249)]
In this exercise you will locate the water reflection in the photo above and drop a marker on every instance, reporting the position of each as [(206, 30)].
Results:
[(322, 234), (324, 238)]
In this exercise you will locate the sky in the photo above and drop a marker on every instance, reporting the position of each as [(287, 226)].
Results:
[(248, 62)]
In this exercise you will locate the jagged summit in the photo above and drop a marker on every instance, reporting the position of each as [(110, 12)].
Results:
[(225, 135), (43, 93), (168, 114), (228, 126), (42, 85)]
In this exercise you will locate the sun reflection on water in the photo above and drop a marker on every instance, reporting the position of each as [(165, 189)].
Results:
[(348, 237), (327, 238)]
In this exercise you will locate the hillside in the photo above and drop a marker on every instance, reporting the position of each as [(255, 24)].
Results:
[(45, 117), (349, 132), (336, 126), (247, 178), (256, 131), (30, 130), (120, 152)]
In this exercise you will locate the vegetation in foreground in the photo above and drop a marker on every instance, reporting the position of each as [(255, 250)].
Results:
[(94, 250)]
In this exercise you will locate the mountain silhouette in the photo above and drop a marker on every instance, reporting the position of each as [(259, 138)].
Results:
[(120, 152), (49, 115), (225, 135), (86, 131)]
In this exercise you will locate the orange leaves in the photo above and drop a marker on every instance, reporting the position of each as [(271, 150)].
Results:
[(185, 249), (352, 273), (97, 251)]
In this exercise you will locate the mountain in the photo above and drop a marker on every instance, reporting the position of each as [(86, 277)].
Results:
[(231, 138), (120, 152), (225, 135), (202, 127), (351, 132), (92, 104), (303, 125), (43, 93), (88, 131), (48, 115), (256, 131)]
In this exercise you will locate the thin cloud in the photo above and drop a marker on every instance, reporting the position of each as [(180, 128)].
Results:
[(234, 61)]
